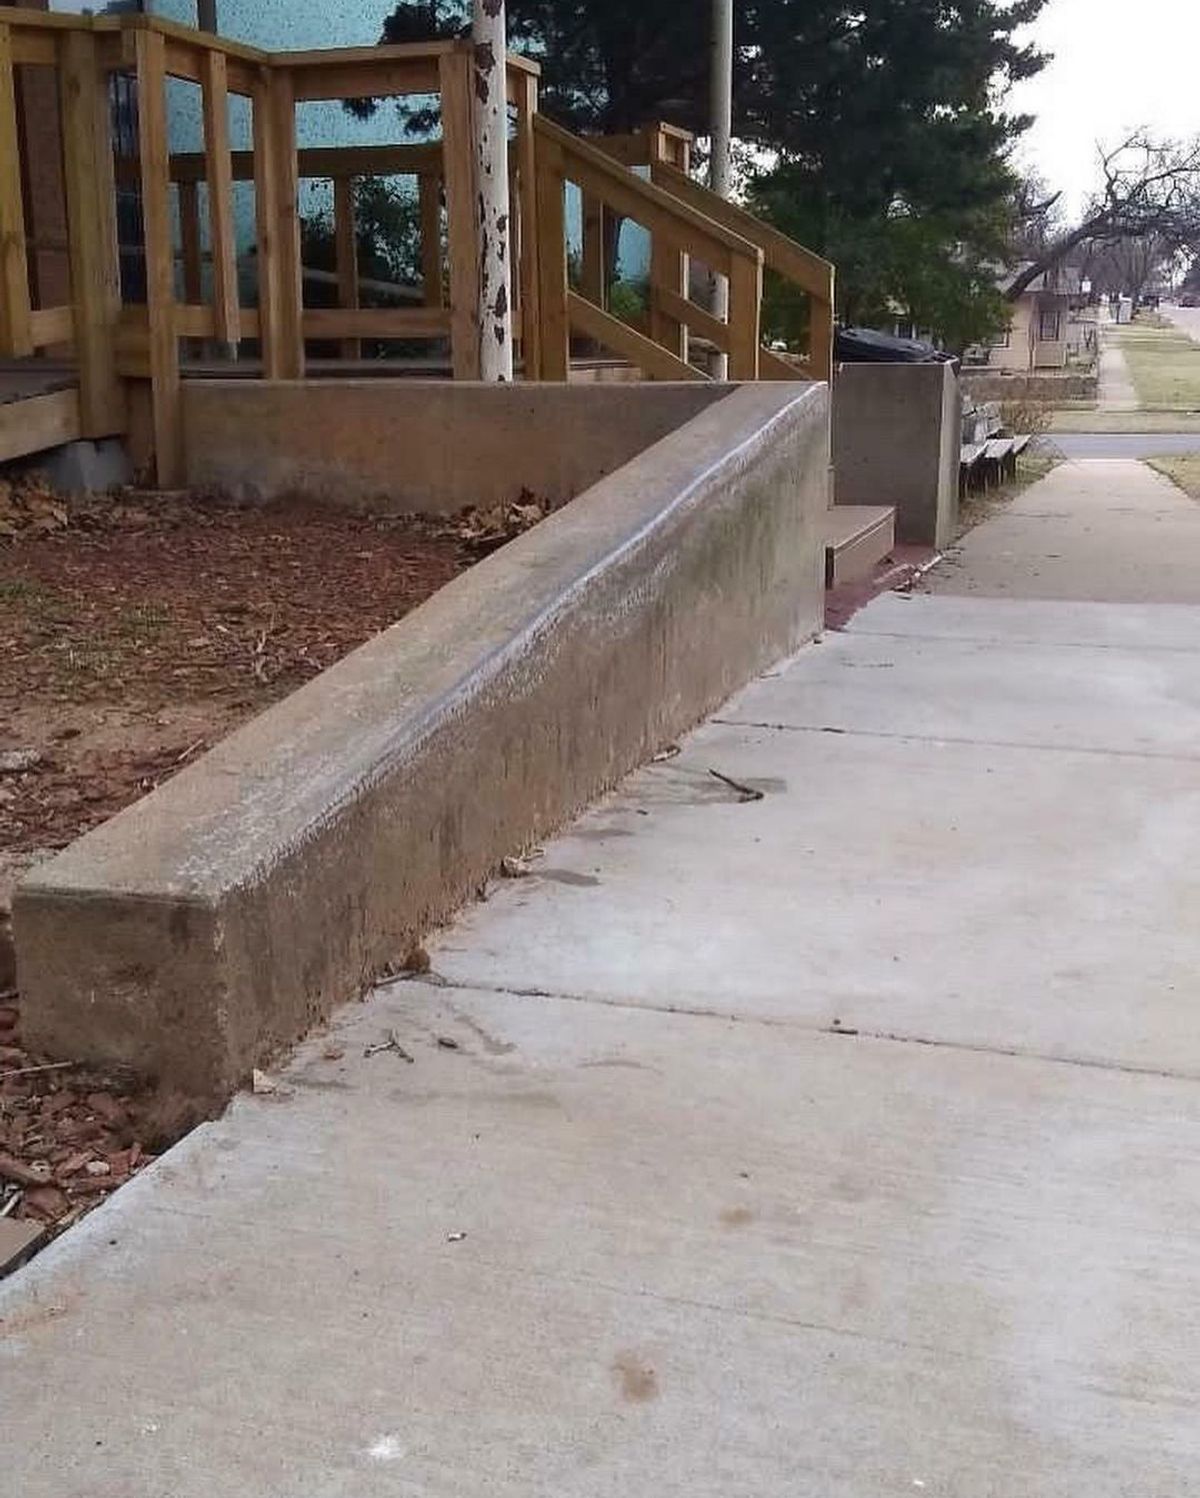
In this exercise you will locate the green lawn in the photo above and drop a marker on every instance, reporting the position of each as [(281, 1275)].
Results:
[(1164, 365)]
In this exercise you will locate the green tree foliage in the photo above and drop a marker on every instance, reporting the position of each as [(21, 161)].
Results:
[(877, 126)]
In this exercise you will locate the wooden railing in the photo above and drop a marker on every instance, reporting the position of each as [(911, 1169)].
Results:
[(130, 351), (782, 255), (677, 231)]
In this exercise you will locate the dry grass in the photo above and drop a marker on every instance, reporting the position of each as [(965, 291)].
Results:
[(1183, 471), (1124, 421), (1164, 365), (974, 509)]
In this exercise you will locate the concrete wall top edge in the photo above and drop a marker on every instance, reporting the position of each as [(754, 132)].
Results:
[(281, 776)]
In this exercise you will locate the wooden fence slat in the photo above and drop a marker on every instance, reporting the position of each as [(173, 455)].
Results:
[(150, 55), (192, 254), (219, 172), (526, 86), (345, 239), (458, 164), (429, 200), (651, 358), (552, 263), (376, 322), (266, 217), (16, 339)]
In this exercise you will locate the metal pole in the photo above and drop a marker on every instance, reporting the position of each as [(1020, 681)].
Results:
[(720, 169), (489, 33)]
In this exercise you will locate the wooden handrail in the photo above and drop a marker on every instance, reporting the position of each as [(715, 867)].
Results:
[(678, 229), (808, 270), (642, 201)]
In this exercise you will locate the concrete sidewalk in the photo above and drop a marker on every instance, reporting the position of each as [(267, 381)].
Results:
[(840, 1142), (1117, 391)]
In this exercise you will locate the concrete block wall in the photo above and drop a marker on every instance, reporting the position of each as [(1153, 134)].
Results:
[(896, 441)]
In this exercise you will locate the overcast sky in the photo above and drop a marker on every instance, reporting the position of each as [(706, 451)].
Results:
[(1117, 64)]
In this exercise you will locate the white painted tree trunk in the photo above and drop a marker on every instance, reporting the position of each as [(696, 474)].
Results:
[(489, 33)]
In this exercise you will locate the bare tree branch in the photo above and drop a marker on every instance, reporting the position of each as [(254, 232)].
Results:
[(1150, 188)]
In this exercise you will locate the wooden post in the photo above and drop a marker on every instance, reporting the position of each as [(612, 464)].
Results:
[(218, 168), (668, 268), (92, 233), (745, 303), (150, 54), (489, 35), (429, 202), (458, 165), (16, 332), (820, 334), (345, 236), (531, 323), (276, 185), (552, 263)]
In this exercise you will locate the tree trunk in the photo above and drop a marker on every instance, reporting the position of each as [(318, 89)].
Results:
[(489, 33)]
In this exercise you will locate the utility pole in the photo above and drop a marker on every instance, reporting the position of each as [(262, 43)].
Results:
[(489, 35), (720, 167)]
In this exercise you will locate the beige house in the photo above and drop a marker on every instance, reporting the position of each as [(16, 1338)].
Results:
[(1041, 334)]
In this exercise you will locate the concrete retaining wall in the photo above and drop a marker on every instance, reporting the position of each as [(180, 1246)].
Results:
[(214, 921), (990, 385), (896, 441), (415, 445)]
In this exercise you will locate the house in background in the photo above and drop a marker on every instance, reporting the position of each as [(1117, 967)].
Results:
[(1045, 331)]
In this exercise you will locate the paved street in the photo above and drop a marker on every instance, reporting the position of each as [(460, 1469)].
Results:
[(1185, 318), (840, 1142), (1126, 445)]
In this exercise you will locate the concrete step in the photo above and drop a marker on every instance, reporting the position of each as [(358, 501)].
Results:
[(856, 538)]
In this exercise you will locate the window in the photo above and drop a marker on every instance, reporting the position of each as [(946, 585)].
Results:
[(1001, 340), (1050, 326)]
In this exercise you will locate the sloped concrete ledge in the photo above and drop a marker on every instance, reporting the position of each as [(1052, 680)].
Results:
[(214, 921)]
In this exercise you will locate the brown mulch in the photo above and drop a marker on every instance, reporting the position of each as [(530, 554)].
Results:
[(68, 1135), (136, 630)]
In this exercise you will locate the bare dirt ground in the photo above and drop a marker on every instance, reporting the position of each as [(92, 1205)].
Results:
[(135, 631)]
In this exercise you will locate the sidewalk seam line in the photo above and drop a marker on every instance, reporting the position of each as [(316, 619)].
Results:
[(437, 980), (958, 741)]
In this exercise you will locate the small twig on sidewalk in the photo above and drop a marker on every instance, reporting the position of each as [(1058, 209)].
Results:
[(32, 1071), (390, 1044), (746, 792)]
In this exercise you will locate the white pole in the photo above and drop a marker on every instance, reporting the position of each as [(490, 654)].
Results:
[(489, 33), (720, 170)]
